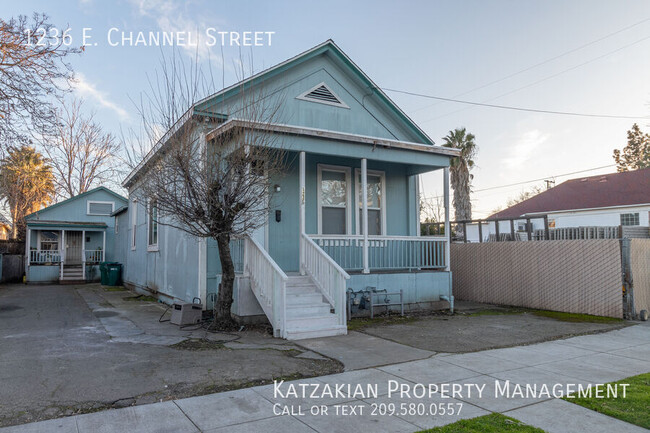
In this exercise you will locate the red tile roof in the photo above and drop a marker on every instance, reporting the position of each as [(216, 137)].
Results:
[(606, 190)]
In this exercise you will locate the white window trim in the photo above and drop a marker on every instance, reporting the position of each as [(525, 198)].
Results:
[(151, 247), (357, 191), (134, 223), (88, 202), (116, 225), (348, 192), (303, 97)]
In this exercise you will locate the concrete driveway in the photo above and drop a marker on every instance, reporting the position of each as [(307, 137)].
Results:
[(75, 349)]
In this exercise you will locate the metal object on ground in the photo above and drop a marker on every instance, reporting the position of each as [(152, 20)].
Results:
[(185, 313)]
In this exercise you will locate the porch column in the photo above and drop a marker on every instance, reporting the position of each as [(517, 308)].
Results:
[(364, 212), (301, 200), (62, 252), (447, 225), (28, 245), (83, 254), (104, 246)]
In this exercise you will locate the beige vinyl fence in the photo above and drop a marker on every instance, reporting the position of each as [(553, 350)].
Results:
[(640, 273), (575, 276)]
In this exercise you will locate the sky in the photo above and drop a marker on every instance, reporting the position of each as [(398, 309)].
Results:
[(586, 57)]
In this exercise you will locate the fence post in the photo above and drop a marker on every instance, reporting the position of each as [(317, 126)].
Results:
[(480, 231), (512, 230), (546, 232), (496, 229), (464, 232), (529, 229)]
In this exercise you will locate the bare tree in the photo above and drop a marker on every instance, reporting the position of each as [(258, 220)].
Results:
[(32, 71), (81, 154), (219, 187)]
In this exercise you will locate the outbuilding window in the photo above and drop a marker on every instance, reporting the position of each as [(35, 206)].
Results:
[(99, 207), (49, 241)]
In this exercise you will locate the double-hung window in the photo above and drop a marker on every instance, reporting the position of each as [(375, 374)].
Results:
[(376, 203), (333, 200), (49, 241), (134, 222), (152, 223)]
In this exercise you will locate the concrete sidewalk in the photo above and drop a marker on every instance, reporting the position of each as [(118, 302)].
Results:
[(579, 360)]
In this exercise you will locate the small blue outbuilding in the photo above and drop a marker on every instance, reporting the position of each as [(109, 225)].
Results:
[(67, 241)]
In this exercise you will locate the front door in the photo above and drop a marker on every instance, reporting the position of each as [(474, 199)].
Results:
[(73, 248)]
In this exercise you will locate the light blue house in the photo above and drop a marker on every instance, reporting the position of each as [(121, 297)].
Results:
[(345, 216), (67, 241)]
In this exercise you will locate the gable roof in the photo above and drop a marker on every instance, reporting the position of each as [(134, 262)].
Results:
[(68, 200), (607, 190), (201, 108)]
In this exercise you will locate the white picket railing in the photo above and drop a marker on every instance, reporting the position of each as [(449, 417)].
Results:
[(269, 283), (41, 257), (385, 252), (94, 256), (327, 274)]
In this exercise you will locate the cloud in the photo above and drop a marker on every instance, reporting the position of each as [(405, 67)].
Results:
[(86, 89), (524, 149), (171, 17)]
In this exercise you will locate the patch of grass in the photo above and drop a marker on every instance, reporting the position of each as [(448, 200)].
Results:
[(633, 408), (113, 288), (196, 344), (493, 423), (495, 312), (143, 298), (575, 317), (358, 323)]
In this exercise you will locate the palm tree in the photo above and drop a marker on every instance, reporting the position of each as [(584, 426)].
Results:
[(26, 184), (461, 179)]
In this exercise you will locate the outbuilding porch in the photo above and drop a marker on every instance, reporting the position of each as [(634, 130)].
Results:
[(64, 251)]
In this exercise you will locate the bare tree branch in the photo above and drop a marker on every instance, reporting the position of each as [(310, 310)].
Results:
[(33, 73), (80, 152)]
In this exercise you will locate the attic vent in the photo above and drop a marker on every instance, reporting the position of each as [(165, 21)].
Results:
[(323, 94), (100, 208)]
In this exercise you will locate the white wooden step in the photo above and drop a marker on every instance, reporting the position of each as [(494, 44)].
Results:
[(304, 298), (316, 332), (307, 310), (320, 321)]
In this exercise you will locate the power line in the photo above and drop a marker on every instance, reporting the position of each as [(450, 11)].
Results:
[(532, 180), (507, 107), (546, 61), (484, 103)]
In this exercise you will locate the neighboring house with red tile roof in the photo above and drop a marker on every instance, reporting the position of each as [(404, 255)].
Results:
[(616, 199)]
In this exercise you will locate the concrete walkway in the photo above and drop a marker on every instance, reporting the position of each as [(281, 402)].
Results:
[(579, 360)]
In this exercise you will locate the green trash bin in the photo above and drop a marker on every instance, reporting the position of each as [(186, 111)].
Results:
[(103, 271), (114, 274)]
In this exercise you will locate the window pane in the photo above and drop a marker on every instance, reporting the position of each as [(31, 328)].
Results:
[(374, 191), (630, 219), (333, 188), (374, 222), (333, 221)]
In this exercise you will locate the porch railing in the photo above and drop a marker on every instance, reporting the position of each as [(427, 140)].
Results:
[(385, 252), (93, 256), (328, 275), (42, 257), (269, 284)]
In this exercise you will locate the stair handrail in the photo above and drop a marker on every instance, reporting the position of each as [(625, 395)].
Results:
[(268, 283), (327, 274)]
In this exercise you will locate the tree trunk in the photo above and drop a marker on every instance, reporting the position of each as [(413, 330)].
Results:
[(223, 318)]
